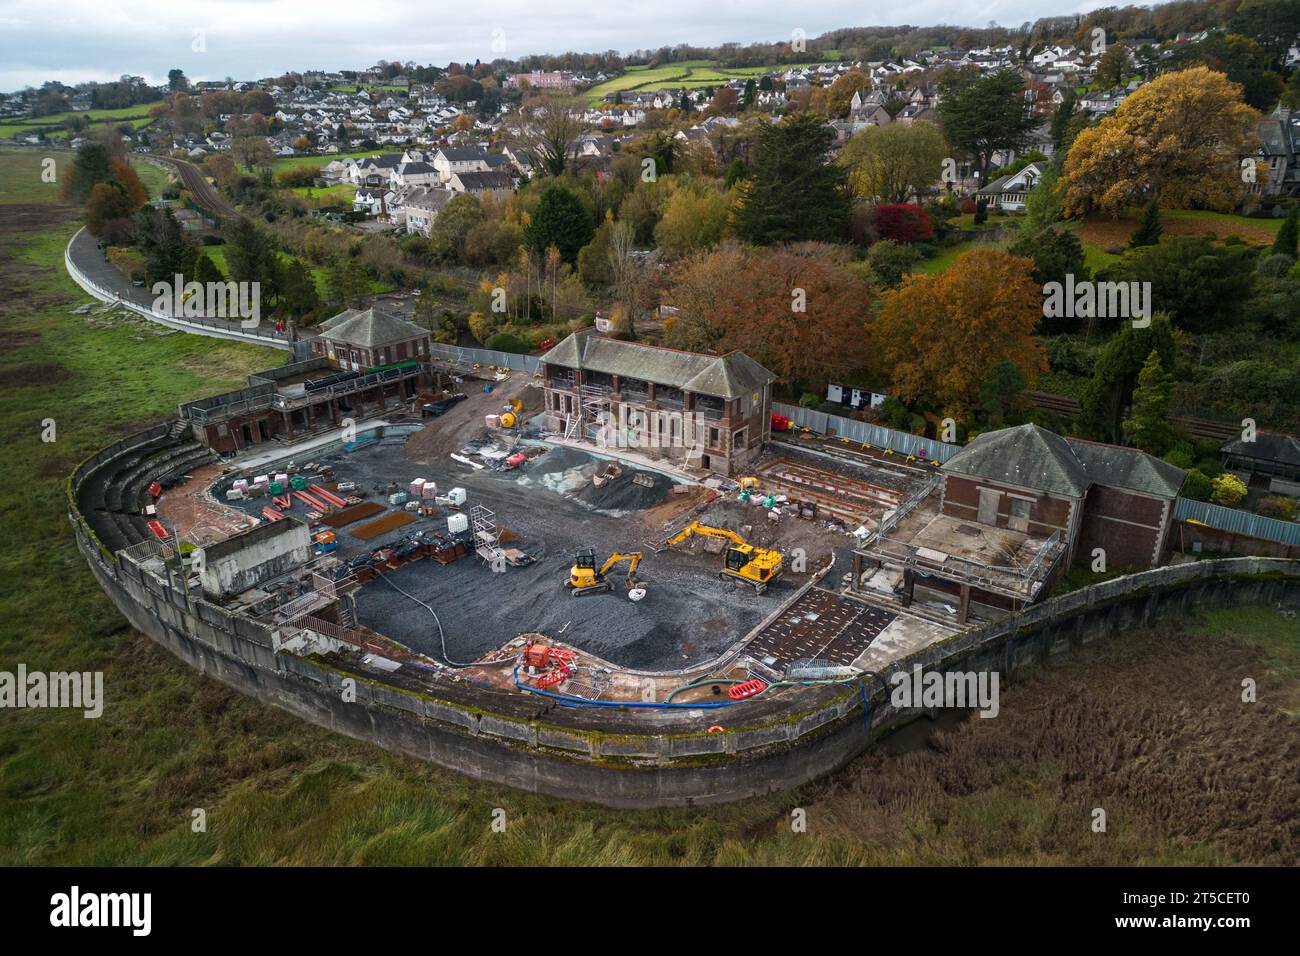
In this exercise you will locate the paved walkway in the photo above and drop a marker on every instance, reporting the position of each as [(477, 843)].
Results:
[(94, 273)]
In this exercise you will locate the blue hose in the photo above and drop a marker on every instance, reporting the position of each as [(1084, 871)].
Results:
[(567, 701)]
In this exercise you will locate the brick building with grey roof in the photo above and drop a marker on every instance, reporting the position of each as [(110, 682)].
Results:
[(1014, 509), (711, 412)]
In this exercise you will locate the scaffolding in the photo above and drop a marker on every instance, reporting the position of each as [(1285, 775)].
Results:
[(487, 537)]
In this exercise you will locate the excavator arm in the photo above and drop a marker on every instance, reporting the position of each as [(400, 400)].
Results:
[(755, 566), (633, 558), (701, 529)]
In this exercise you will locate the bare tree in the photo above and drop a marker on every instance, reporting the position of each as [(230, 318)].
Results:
[(628, 272), (550, 130)]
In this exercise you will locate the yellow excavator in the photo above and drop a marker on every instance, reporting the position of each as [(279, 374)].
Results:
[(584, 576), (757, 567)]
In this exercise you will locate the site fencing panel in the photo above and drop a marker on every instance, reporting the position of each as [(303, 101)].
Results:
[(1237, 522), (464, 356), (867, 433)]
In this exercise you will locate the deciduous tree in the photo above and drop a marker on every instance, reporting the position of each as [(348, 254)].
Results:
[(894, 163), (797, 309), (940, 334), (1178, 139)]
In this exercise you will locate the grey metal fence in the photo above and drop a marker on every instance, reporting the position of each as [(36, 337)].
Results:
[(866, 433), (464, 356), (1237, 522)]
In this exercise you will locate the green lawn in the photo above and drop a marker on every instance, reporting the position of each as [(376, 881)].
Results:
[(155, 179), (316, 162), (330, 195), (691, 74), (945, 259)]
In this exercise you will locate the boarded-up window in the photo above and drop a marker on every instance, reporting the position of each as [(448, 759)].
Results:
[(1019, 517), (988, 512)]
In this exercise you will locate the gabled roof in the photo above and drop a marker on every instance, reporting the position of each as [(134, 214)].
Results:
[(1026, 455), (462, 154), (480, 181), (371, 328), (721, 376), (430, 199)]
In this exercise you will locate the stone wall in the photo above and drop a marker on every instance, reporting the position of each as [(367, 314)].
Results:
[(638, 758)]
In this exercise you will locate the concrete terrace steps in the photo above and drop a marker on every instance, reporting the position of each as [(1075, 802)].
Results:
[(105, 492), (147, 470)]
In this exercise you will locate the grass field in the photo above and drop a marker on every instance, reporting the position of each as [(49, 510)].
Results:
[(137, 115), (691, 74), (316, 162), (1114, 727), (1105, 233)]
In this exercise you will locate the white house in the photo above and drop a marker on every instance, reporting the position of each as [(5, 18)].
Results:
[(1008, 192)]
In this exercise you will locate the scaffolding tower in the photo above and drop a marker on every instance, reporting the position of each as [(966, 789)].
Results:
[(487, 537)]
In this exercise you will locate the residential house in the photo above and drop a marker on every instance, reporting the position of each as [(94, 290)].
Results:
[(449, 160), (421, 207), (481, 183), (1008, 192)]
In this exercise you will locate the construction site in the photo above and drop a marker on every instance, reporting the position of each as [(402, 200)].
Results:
[(472, 546), (461, 538)]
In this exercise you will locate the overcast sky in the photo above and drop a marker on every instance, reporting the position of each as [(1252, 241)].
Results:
[(78, 40)]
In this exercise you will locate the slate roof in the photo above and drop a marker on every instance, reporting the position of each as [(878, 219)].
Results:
[(1041, 460), (430, 199), (1026, 455), (1266, 447), (721, 376), (1131, 468), (478, 182), (462, 154), (371, 328)]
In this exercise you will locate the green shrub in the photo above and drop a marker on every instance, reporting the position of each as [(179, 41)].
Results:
[(1197, 486), (508, 342), (1277, 506)]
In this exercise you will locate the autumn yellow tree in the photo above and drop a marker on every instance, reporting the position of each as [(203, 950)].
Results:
[(940, 334), (839, 98), (1179, 140)]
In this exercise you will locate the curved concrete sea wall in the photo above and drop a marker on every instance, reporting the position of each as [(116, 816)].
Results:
[(634, 759)]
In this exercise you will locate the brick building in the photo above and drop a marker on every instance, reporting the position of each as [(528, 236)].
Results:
[(355, 340), (1014, 508), (711, 412), (363, 364)]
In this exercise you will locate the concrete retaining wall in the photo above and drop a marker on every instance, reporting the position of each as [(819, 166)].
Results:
[(640, 759)]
